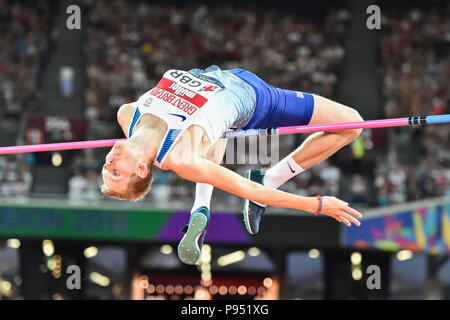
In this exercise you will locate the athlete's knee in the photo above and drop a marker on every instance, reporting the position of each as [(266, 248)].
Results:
[(353, 116)]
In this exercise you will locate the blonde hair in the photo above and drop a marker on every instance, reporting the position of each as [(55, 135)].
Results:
[(136, 189)]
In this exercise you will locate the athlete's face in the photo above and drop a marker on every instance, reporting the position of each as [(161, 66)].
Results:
[(119, 166)]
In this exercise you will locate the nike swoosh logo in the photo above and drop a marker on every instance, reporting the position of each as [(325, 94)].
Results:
[(179, 115), (290, 168)]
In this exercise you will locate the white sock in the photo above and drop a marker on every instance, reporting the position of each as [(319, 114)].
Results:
[(282, 172), (203, 194)]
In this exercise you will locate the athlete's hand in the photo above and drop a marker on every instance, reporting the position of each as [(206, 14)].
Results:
[(340, 211)]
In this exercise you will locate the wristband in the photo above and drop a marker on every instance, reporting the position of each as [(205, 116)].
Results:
[(320, 204)]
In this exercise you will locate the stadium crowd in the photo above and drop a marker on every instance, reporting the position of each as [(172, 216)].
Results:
[(415, 60), (23, 47), (24, 29), (128, 51)]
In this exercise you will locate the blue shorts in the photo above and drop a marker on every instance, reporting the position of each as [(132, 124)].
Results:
[(276, 107)]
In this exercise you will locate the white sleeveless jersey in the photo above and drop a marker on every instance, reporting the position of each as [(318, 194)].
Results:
[(183, 99)]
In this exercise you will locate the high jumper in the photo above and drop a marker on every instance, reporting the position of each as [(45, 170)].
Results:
[(179, 125)]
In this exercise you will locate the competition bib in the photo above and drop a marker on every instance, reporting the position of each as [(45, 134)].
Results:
[(187, 92)]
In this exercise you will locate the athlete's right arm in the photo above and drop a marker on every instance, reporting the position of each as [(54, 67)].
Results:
[(205, 171)]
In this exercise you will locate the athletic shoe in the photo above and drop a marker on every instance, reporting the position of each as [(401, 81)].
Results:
[(253, 211), (190, 246)]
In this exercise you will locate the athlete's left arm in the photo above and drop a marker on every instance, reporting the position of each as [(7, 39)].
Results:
[(205, 171)]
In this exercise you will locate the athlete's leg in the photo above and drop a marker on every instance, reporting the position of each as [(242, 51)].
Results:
[(318, 146), (277, 107), (189, 248), (203, 192)]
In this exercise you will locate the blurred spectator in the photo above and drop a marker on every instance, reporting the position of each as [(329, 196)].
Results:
[(34, 136), (358, 189), (93, 182), (66, 81), (84, 183), (383, 195), (15, 176), (331, 175), (78, 185), (5, 188)]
